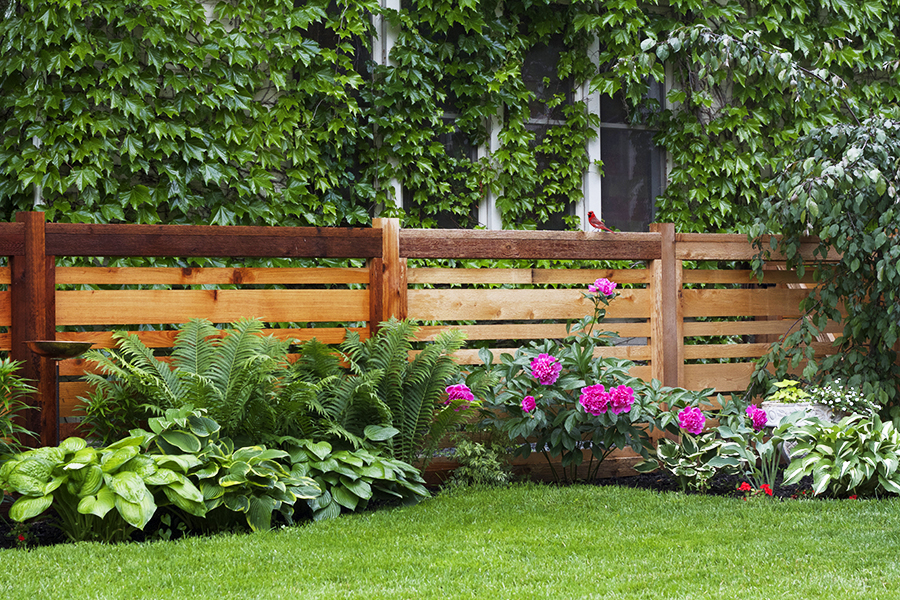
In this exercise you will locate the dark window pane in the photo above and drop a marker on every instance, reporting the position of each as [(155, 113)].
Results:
[(541, 77), (631, 178)]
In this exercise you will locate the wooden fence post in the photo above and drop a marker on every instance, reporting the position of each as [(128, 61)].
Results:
[(388, 272), (666, 315), (33, 315)]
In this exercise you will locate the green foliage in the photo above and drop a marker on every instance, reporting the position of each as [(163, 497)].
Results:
[(759, 452), (693, 461), (857, 455), (479, 464), (352, 479), (382, 385), (84, 484), (249, 481), (840, 186), (13, 391), (232, 373), (789, 391)]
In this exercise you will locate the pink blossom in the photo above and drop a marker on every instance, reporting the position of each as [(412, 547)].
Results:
[(546, 369), (603, 287), (595, 399), (691, 419), (621, 399), (459, 391), (757, 416), (528, 403)]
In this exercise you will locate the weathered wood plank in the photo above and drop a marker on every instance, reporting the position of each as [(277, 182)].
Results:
[(713, 276), (115, 307), (561, 245), (692, 351), (773, 327), (729, 377), (12, 239), (529, 331), (88, 239), (739, 303), (504, 304), (727, 246), (470, 357), (211, 276)]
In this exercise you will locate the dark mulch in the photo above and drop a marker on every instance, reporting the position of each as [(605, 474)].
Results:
[(43, 533)]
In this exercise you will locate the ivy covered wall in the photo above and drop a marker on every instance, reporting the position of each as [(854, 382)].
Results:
[(285, 112)]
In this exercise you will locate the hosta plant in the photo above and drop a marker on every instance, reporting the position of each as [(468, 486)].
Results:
[(697, 456), (97, 493), (857, 455), (253, 481), (351, 479)]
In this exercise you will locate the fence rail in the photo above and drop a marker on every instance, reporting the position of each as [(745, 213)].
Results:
[(669, 318)]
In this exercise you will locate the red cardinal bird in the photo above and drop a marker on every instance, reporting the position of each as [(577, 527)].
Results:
[(593, 220)]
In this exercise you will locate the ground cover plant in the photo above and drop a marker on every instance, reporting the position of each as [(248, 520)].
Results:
[(525, 541)]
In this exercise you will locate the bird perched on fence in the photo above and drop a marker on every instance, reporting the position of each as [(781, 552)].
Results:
[(594, 221)]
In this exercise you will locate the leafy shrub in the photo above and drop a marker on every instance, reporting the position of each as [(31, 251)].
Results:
[(84, 484), (857, 455), (381, 384), (479, 464), (352, 479), (231, 373), (249, 481)]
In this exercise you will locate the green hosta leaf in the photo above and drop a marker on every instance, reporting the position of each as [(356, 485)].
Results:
[(331, 510), (236, 502), (163, 477), (109, 462), (259, 515), (358, 487), (177, 462), (211, 490), (30, 476), (647, 466), (184, 441), (27, 507), (306, 488), (321, 450), (72, 445), (98, 504), (92, 481), (128, 485), (377, 433), (345, 498), (134, 440), (137, 514)]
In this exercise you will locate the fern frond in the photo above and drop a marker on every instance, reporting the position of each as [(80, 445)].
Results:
[(194, 350)]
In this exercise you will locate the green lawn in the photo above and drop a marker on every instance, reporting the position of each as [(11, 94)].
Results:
[(528, 542)]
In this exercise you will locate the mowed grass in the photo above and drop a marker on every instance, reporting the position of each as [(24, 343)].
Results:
[(528, 541)]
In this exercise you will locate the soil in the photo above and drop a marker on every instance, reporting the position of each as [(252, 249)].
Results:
[(43, 533)]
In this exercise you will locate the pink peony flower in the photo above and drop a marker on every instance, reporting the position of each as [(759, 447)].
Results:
[(545, 369), (691, 419), (603, 287), (621, 399), (528, 403), (757, 416), (459, 391), (595, 399)]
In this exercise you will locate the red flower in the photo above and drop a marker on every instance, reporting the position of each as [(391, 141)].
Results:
[(744, 487), (765, 487), (21, 538), (853, 497)]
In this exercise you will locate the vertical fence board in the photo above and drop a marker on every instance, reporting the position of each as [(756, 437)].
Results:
[(33, 317)]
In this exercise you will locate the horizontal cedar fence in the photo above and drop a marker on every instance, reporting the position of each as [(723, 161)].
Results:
[(668, 319)]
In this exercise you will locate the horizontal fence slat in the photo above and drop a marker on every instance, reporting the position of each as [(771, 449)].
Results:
[(772, 327), (636, 353), (715, 276), (88, 239), (206, 276), (5, 310), (698, 351), (733, 246), (724, 377), (740, 303), (561, 245), (501, 305), (420, 275), (114, 307), (529, 331)]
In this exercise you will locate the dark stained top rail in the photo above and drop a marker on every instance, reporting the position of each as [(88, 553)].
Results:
[(80, 239), (560, 245)]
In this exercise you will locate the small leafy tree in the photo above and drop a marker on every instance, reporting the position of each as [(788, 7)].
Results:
[(841, 187)]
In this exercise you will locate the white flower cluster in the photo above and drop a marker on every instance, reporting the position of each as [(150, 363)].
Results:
[(848, 400)]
